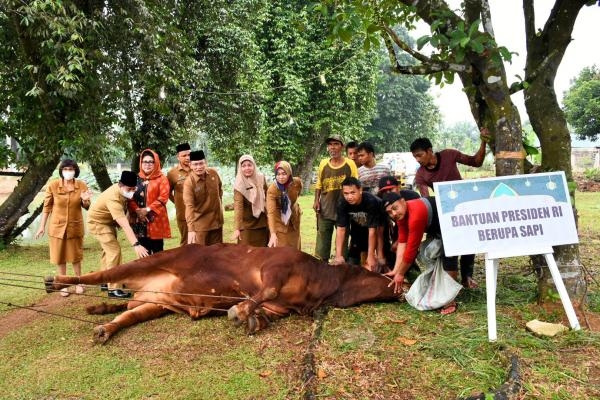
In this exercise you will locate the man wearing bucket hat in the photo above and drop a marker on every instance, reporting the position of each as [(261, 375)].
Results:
[(104, 216), (328, 190)]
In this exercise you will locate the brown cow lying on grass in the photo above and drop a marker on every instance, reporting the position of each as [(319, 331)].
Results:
[(255, 284)]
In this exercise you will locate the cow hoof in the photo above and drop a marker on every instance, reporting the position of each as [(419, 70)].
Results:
[(48, 284), (252, 325), (100, 334), (232, 314)]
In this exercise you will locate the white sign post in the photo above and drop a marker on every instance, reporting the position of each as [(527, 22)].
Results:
[(508, 216)]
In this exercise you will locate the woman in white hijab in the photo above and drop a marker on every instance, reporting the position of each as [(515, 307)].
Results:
[(249, 211)]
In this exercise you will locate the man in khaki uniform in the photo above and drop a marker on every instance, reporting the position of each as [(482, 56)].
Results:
[(102, 219), (176, 177), (202, 196)]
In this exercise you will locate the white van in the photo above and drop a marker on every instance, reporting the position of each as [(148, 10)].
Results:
[(403, 166)]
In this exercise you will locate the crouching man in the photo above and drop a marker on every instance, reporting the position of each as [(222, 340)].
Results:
[(360, 212), (414, 218)]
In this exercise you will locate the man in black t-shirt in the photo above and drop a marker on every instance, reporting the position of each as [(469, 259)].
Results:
[(360, 212)]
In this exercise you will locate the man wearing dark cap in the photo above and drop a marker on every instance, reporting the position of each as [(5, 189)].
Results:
[(101, 218), (203, 200), (328, 190), (176, 177), (390, 235), (414, 218)]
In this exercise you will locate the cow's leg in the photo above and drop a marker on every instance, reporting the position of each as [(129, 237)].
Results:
[(56, 283), (144, 312), (272, 283), (104, 308), (242, 310), (264, 315)]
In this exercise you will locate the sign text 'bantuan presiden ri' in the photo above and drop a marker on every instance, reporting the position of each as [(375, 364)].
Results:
[(519, 214)]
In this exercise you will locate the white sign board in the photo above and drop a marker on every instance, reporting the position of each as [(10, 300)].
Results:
[(491, 215)]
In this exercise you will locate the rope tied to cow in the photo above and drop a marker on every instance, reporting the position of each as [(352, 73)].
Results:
[(98, 286), (13, 305), (3, 282)]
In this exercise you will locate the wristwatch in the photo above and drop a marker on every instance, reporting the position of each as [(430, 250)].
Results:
[(148, 209)]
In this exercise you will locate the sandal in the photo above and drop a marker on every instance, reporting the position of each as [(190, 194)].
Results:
[(449, 308), (65, 292), (79, 289)]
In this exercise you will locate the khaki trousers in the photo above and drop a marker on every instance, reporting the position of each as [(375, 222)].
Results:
[(111, 253)]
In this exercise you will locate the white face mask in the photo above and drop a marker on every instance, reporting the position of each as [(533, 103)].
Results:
[(68, 175), (129, 195)]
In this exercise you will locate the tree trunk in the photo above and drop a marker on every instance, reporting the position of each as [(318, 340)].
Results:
[(545, 51), (489, 97), (305, 167), (16, 205), (101, 174)]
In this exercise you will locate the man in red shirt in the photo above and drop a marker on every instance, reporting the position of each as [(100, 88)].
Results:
[(442, 167), (414, 218)]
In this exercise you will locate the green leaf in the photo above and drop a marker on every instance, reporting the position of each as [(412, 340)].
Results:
[(373, 28), (422, 41), (345, 35), (459, 55), (530, 150), (506, 54), (474, 27), (477, 47)]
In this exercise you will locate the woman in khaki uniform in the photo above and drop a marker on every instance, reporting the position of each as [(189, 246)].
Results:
[(65, 197), (249, 202), (283, 210)]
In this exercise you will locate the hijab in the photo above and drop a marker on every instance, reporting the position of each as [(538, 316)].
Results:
[(252, 187), (286, 211), (156, 172)]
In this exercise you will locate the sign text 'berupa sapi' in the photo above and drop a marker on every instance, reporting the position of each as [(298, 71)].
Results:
[(522, 213)]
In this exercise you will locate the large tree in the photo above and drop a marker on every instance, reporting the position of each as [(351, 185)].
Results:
[(582, 104), (545, 50), (405, 111), (83, 78), (286, 88), (44, 85), (463, 43)]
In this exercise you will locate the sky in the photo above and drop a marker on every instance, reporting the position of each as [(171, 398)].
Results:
[(507, 19)]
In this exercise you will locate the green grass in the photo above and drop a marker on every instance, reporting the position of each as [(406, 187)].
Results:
[(373, 351)]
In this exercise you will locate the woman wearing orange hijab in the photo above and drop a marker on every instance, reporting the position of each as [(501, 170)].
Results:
[(148, 208)]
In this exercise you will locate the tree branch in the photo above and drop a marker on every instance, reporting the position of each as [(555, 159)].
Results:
[(517, 86), (427, 66), (404, 46), (529, 14), (486, 18)]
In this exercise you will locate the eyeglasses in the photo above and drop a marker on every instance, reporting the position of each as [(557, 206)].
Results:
[(148, 162)]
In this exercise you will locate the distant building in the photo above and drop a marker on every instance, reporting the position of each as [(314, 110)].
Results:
[(585, 154)]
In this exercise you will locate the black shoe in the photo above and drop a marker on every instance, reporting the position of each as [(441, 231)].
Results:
[(104, 287), (118, 294)]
